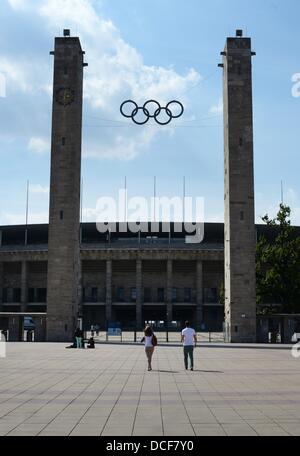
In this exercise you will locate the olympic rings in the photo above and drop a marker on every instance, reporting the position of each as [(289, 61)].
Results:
[(152, 114)]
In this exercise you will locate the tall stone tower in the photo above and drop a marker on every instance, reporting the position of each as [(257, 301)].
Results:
[(64, 217), (240, 237)]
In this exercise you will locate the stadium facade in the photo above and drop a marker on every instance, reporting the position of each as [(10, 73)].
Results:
[(65, 271)]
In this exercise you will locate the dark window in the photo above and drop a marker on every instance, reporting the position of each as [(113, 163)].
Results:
[(61, 215), (31, 295), (42, 295), (211, 295), (17, 295), (147, 294), (241, 142), (63, 141), (5, 295), (94, 294), (187, 295), (174, 294), (65, 70), (120, 294), (242, 216), (161, 295), (133, 294), (83, 295)]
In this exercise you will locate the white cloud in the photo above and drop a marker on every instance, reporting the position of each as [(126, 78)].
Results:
[(18, 4), (38, 145), (218, 108), (39, 189), (116, 72), (16, 74), (8, 218)]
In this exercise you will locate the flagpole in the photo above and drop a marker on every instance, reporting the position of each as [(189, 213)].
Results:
[(125, 202), (154, 198), (81, 210), (27, 209), (184, 195)]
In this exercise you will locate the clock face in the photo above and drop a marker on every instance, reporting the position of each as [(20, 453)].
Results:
[(65, 96)]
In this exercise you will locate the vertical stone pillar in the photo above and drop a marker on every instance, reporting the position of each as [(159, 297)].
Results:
[(24, 286), (1, 285), (80, 292), (139, 294), (169, 291), (240, 241), (15, 328), (108, 290), (65, 189), (40, 329), (199, 294)]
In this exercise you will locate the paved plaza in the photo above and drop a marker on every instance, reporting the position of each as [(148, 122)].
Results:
[(47, 390)]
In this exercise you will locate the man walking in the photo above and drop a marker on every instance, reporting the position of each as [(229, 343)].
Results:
[(189, 340)]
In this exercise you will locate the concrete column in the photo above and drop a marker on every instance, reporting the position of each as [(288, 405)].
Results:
[(139, 294), (108, 290), (199, 294), (169, 290), (80, 292), (1, 285), (15, 328), (65, 187), (24, 286), (239, 217), (40, 329)]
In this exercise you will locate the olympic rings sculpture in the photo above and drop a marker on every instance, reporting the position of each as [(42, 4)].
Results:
[(152, 113)]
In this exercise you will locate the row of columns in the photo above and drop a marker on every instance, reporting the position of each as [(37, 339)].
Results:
[(24, 281), (169, 287), (1, 284), (15, 328), (139, 271), (24, 285)]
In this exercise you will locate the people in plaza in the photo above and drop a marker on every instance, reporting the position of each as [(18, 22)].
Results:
[(97, 328), (78, 337), (189, 340), (82, 339), (92, 330), (150, 341), (91, 343)]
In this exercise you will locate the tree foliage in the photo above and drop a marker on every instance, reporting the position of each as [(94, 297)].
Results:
[(278, 266)]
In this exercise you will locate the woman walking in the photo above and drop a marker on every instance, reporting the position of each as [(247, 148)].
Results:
[(150, 343)]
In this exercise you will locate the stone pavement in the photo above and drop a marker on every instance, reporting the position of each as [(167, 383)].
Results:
[(48, 390)]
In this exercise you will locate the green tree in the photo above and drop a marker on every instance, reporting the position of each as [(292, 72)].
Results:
[(278, 266)]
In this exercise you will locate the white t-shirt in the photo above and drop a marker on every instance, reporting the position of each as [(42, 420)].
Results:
[(188, 334), (148, 341)]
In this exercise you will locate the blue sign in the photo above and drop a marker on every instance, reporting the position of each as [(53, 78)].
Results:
[(114, 332)]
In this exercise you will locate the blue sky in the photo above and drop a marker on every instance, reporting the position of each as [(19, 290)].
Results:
[(142, 49)]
